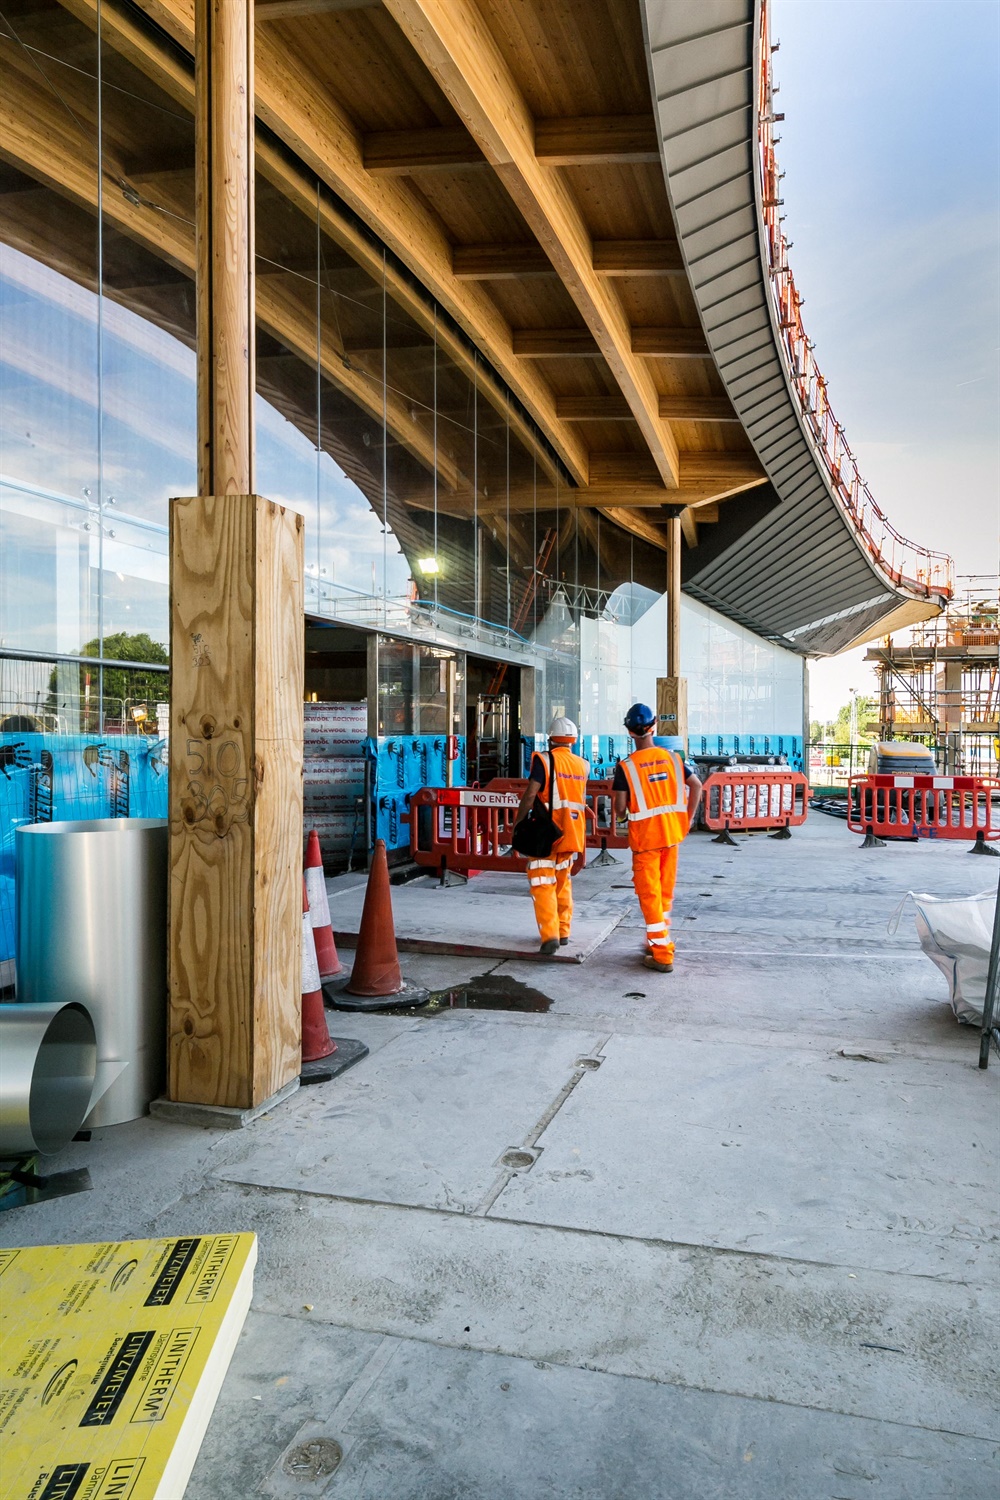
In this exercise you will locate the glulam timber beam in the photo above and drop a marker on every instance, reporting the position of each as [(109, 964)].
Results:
[(689, 527), (637, 257), (455, 43), (697, 409), (593, 139), (317, 130), (671, 343), (399, 153), (619, 495), (593, 409), (555, 343), (636, 523), (285, 10), (610, 258), (40, 138), (500, 262)]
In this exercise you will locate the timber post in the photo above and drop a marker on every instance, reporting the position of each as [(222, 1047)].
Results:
[(671, 691), (236, 653)]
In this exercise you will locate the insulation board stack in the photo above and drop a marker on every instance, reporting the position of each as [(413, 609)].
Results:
[(334, 777), (112, 1357)]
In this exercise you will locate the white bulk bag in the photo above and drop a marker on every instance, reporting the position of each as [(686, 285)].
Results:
[(955, 932)]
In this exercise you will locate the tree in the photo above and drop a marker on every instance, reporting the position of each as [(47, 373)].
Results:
[(123, 687), (867, 709)]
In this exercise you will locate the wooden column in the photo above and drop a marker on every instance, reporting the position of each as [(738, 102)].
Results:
[(671, 691), (224, 234), (237, 656), (236, 686), (674, 596)]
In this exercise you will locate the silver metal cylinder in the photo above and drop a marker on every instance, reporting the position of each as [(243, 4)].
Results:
[(48, 1061), (92, 927)]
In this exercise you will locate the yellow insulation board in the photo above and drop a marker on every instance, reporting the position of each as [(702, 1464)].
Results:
[(111, 1360)]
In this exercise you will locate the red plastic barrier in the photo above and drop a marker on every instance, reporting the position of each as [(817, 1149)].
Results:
[(765, 797), (466, 828), (924, 807), (601, 816)]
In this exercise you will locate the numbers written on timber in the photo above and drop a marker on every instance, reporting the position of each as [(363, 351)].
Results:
[(217, 784)]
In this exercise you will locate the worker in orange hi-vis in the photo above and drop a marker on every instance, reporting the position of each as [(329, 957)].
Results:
[(660, 791), (565, 793)]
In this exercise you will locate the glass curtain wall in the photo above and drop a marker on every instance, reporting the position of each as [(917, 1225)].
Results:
[(434, 511)]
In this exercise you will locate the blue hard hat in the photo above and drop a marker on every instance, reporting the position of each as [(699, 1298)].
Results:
[(640, 718)]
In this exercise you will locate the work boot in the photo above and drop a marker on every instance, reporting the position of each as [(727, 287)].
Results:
[(549, 947), (650, 962), (563, 942)]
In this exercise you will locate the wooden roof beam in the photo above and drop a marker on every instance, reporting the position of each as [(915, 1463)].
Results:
[(697, 409), (637, 257), (455, 43), (398, 153), (593, 409), (592, 139), (285, 10), (318, 131), (616, 409), (499, 262), (636, 523), (689, 527), (554, 343), (672, 343), (39, 137), (610, 258)]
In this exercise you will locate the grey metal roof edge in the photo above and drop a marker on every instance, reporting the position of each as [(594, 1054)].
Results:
[(708, 102)]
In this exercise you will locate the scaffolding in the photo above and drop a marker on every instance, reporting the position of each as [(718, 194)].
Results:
[(941, 684)]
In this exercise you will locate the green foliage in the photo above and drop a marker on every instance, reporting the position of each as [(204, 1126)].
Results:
[(123, 688)]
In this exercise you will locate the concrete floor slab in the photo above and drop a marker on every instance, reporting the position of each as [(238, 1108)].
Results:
[(785, 1153), (448, 1424), (423, 1123), (748, 1325), (749, 1030), (458, 919)]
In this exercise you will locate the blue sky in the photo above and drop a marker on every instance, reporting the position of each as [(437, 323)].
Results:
[(891, 150)]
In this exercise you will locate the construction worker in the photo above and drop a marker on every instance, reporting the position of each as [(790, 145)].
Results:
[(566, 795), (660, 791)]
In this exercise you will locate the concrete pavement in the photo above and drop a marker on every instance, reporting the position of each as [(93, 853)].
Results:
[(730, 1232)]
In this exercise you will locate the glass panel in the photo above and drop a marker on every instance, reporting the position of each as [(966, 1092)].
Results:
[(396, 684), (49, 430)]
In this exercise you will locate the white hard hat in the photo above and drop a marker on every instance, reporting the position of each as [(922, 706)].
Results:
[(562, 728)]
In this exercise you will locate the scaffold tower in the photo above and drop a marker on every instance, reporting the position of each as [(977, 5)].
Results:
[(941, 683)]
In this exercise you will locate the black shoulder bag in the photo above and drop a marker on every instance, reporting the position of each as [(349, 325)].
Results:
[(536, 833)]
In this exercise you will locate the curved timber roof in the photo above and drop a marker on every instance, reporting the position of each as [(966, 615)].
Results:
[(581, 188)]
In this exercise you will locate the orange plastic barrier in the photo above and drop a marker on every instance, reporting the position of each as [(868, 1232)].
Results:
[(600, 827), (764, 797), (468, 828), (924, 807)]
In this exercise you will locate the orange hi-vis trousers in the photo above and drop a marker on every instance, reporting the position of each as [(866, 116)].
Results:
[(654, 875), (552, 894)]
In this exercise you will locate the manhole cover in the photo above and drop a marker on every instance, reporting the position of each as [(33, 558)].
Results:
[(590, 1063), (313, 1460), (518, 1159)]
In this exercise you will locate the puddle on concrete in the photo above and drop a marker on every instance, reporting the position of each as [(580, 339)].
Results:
[(482, 992)]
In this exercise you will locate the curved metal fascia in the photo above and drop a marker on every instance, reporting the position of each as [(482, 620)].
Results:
[(703, 59)]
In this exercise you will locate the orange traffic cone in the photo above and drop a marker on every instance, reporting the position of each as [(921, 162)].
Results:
[(316, 1039), (319, 909), (376, 966)]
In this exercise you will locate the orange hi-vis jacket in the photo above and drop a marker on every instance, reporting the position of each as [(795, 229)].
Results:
[(569, 797), (657, 798)]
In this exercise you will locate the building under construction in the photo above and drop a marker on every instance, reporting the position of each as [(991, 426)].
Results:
[(941, 684)]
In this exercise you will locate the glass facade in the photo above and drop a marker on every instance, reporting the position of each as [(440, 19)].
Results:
[(436, 512)]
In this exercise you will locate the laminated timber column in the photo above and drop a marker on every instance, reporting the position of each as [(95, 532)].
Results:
[(671, 691), (236, 651)]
